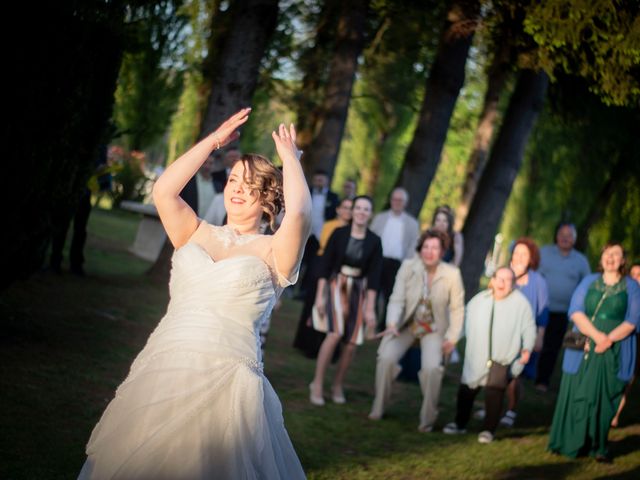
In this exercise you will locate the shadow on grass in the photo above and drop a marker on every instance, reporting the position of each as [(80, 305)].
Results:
[(632, 474), (624, 446), (542, 471)]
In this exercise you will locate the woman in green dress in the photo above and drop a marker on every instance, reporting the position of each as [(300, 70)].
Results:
[(606, 308)]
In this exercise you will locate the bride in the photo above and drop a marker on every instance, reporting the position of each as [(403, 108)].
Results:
[(196, 403)]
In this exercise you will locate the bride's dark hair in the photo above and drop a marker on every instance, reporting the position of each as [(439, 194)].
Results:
[(265, 180)]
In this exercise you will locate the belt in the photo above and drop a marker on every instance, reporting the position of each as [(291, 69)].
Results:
[(350, 271)]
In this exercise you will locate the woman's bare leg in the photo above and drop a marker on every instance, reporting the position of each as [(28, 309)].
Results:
[(324, 358), (343, 366)]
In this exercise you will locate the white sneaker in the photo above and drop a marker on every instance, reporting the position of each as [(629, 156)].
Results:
[(480, 414), (485, 437), (509, 418), (453, 429)]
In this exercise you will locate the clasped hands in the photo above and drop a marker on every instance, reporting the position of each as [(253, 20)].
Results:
[(602, 341)]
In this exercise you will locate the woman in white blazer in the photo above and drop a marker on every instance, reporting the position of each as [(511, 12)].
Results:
[(427, 303)]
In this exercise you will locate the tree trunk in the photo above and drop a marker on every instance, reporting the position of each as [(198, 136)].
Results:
[(55, 120), (323, 151), (372, 174), (235, 77), (501, 171), (443, 86), (599, 205), (314, 63), (236, 73), (497, 79)]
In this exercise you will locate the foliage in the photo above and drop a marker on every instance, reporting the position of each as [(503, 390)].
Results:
[(598, 40), (268, 111), (63, 75), (130, 181), (388, 94), (150, 79), (575, 149), (185, 122)]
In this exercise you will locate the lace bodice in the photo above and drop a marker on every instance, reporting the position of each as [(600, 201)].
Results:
[(222, 243)]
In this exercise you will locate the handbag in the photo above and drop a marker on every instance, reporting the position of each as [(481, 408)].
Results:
[(320, 322), (498, 376), (577, 340), (574, 340), (423, 322)]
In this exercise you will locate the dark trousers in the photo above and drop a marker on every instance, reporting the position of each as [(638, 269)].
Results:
[(307, 264), (62, 220), (307, 339), (493, 398), (390, 267), (552, 343)]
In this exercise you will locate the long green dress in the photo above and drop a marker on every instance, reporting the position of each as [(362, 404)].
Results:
[(588, 400)]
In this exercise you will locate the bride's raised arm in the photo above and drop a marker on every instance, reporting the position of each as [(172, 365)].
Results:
[(289, 240), (178, 219)]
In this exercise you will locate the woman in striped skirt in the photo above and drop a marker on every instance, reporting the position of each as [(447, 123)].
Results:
[(345, 299)]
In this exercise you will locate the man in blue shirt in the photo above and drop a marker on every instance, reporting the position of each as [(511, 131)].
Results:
[(563, 267)]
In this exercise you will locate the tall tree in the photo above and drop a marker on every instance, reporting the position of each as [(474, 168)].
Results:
[(504, 39), (501, 170), (325, 146), (579, 164), (237, 64), (497, 77), (567, 36), (444, 82), (388, 102), (314, 64), (63, 75)]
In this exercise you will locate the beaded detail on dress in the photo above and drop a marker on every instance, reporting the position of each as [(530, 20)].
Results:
[(600, 286)]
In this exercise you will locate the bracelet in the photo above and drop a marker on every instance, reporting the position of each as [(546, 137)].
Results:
[(215, 135)]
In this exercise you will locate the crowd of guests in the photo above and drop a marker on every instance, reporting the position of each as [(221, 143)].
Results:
[(369, 276), (378, 277)]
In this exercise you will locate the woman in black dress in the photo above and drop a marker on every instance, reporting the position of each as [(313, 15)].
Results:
[(347, 287)]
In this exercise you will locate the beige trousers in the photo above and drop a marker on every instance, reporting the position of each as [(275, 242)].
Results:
[(430, 375)]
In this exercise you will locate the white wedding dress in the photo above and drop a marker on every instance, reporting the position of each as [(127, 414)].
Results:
[(196, 403)]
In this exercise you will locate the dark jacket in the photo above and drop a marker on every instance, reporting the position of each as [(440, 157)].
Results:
[(330, 206), (371, 262), (190, 191)]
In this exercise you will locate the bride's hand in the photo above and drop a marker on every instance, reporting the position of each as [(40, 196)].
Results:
[(285, 140), (228, 131)]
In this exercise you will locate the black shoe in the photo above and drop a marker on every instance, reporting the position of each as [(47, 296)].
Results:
[(603, 459)]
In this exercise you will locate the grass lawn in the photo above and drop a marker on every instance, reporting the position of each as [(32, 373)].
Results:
[(67, 342)]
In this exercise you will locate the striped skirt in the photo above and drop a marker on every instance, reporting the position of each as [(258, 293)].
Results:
[(345, 307)]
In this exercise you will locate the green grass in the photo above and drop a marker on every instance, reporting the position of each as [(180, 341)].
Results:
[(66, 343)]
